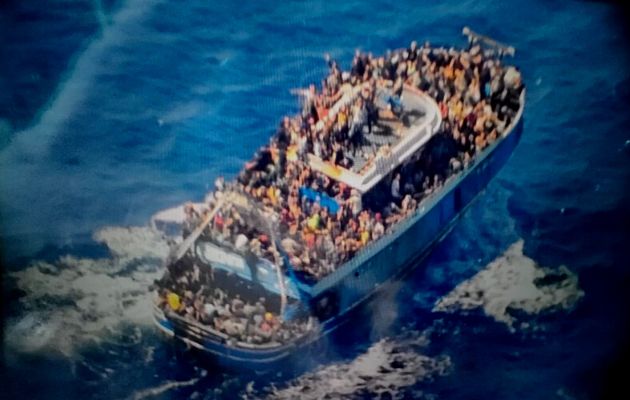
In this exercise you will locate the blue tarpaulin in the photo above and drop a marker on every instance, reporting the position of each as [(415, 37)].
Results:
[(323, 199)]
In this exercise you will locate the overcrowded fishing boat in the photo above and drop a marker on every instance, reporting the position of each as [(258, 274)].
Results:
[(348, 195)]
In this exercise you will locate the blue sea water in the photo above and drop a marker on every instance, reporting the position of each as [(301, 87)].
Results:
[(113, 110)]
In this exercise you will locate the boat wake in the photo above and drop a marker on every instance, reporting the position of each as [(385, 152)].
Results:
[(389, 367), (511, 284), (166, 386), (73, 301)]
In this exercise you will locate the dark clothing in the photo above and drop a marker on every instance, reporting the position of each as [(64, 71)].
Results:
[(263, 159), (358, 67), (283, 138)]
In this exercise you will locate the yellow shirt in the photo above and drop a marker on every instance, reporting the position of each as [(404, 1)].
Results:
[(271, 194), (292, 153), (365, 237), (173, 301), (342, 118), (458, 110), (313, 222)]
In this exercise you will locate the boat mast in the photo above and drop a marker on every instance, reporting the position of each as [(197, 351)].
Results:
[(474, 37), (278, 267), (179, 251)]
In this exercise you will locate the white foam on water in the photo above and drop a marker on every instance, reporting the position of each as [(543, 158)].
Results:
[(75, 301), (389, 365), (158, 390), (510, 282), (384, 311)]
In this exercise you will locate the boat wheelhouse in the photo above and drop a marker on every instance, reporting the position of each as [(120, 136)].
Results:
[(390, 145)]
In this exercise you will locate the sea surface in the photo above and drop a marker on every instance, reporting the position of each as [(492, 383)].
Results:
[(111, 111)]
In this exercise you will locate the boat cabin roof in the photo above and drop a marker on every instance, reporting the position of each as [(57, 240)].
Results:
[(389, 144)]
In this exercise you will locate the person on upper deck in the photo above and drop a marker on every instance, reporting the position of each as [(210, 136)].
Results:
[(359, 120), (359, 63)]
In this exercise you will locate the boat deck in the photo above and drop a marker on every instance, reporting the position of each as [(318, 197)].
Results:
[(392, 141), (389, 131)]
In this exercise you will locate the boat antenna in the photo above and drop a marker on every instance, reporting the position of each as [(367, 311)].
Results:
[(475, 38)]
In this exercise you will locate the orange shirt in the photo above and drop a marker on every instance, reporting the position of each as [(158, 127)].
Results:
[(449, 72), (309, 239), (295, 211), (443, 110), (322, 112)]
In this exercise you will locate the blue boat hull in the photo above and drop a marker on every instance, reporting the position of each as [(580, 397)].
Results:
[(385, 261)]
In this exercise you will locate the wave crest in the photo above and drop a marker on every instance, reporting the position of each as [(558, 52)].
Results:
[(514, 282), (73, 300), (387, 368)]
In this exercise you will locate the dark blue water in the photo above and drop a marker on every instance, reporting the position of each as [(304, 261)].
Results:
[(111, 111)]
